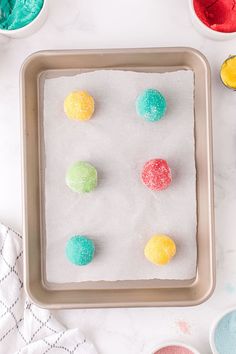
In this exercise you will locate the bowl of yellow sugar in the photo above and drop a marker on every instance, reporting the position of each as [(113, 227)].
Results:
[(228, 72)]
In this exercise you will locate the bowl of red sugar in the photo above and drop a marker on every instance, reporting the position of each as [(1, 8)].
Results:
[(215, 19), (175, 348)]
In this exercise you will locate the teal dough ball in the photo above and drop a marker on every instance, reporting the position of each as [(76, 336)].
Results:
[(80, 250), (151, 105), (81, 177)]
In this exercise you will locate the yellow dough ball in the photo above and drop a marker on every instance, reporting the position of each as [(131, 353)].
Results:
[(79, 105), (160, 249)]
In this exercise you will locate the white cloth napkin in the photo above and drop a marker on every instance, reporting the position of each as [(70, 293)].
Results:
[(25, 328)]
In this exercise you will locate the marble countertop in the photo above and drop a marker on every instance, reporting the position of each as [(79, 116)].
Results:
[(116, 24)]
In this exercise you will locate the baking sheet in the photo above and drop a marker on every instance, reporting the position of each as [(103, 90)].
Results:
[(121, 214)]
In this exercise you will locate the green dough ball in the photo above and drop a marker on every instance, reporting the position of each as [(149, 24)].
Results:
[(80, 250), (151, 105), (81, 177)]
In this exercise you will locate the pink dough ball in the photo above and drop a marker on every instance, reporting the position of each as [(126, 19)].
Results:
[(156, 174)]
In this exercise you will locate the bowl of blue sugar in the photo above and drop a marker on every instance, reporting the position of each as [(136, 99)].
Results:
[(223, 333)]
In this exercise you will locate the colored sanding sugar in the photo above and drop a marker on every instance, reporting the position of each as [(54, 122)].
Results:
[(174, 349), (228, 72), (15, 14), (156, 174), (151, 105), (225, 334), (219, 15)]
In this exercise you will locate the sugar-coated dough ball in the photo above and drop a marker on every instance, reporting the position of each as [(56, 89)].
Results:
[(151, 105), (81, 177), (156, 174), (160, 249), (80, 250), (79, 105)]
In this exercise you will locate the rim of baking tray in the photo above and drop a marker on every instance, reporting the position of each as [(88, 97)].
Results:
[(21, 29), (172, 343), (43, 296), (210, 31), (214, 325)]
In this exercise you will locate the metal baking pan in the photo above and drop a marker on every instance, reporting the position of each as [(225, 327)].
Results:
[(120, 293)]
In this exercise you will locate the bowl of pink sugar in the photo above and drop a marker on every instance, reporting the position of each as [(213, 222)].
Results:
[(175, 348)]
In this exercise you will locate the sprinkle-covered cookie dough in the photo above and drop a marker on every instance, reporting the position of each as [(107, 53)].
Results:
[(79, 105), (81, 177), (160, 249), (151, 105), (80, 250), (156, 174)]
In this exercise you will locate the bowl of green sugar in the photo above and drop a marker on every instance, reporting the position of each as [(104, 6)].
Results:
[(21, 18)]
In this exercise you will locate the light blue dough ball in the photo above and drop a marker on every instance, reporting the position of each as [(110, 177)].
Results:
[(151, 105), (80, 250)]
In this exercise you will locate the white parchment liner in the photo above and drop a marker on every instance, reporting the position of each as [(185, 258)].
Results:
[(121, 214)]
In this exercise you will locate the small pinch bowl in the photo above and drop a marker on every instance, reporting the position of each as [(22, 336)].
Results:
[(174, 343), (228, 86), (213, 328)]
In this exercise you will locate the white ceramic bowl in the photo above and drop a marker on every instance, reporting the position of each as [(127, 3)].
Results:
[(206, 31), (31, 27), (213, 328), (167, 344)]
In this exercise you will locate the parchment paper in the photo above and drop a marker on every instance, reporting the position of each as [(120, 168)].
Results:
[(121, 214)]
